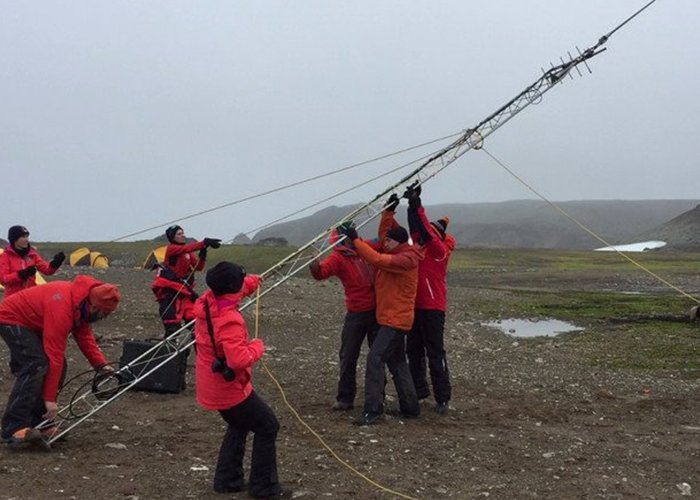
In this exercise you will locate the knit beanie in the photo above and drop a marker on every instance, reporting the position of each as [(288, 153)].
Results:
[(398, 233), (15, 233), (440, 226), (104, 297), (170, 232), (225, 277)]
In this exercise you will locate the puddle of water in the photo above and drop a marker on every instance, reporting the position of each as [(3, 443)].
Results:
[(533, 328)]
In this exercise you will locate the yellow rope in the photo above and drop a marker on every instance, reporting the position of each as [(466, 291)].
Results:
[(589, 231), (307, 426)]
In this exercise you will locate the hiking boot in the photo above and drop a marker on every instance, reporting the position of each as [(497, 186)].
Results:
[(395, 412), (342, 406), (283, 493), (24, 435), (441, 408), (229, 489), (368, 418)]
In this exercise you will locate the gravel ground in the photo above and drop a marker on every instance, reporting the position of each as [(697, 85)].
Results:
[(530, 418)]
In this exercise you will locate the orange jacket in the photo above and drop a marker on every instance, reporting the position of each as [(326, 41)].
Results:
[(396, 281), (11, 262), (53, 312)]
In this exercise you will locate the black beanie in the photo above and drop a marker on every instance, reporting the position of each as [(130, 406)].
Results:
[(398, 233), (225, 277), (440, 226), (170, 232), (15, 233)]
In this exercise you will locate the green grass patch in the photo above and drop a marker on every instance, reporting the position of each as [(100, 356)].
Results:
[(649, 346), (622, 331), (583, 306)]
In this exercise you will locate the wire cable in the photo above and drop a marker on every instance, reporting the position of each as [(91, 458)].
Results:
[(588, 230), (335, 195), (283, 187)]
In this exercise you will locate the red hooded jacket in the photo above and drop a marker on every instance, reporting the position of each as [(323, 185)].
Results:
[(354, 273), (53, 312), (432, 272), (231, 337), (181, 262), (11, 262)]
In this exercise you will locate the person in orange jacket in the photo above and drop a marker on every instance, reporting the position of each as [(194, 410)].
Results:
[(426, 338), (357, 278), (20, 262), (173, 286), (224, 371), (395, 286), (35, 324)]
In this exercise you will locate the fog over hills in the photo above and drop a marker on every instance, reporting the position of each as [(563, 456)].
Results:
[(533, 223)]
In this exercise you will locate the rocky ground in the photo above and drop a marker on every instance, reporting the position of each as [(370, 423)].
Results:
[(530, 418)]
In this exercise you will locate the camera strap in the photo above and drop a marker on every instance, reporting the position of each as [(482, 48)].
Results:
[(210, 329)]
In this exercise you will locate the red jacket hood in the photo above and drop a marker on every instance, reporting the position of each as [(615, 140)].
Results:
[(82, 284)]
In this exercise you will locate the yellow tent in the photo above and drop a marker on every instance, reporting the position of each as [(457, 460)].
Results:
[(84, 257), (38, 277), (156, 256)]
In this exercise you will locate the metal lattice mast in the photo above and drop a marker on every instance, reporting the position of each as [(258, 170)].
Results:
[(95, 398)]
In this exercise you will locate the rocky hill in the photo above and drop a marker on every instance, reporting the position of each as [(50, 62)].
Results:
[(682, 232), (534, 223)]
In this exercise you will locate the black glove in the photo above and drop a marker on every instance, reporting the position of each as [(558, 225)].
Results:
[(413, 190), (212, 242), (57, 260), (27, 272), (348, 231), (202, 254), (392, 202)]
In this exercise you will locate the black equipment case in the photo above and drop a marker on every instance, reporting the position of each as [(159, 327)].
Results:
[(168, 378)]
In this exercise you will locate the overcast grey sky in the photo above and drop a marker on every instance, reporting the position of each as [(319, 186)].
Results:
[(120, 115)]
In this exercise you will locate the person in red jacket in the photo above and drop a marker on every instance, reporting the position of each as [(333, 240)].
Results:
[(223, 376), (357, 278), (20, 262), (426, 338), (35, 324), (395, 287), (174, 282)]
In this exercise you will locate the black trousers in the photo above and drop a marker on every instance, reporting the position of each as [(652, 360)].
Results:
[(389, 349), (356, 327), (252, 415), (426, 339), (28, 364)]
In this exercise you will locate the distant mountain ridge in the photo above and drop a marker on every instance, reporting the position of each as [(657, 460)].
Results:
[(534, 223)]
